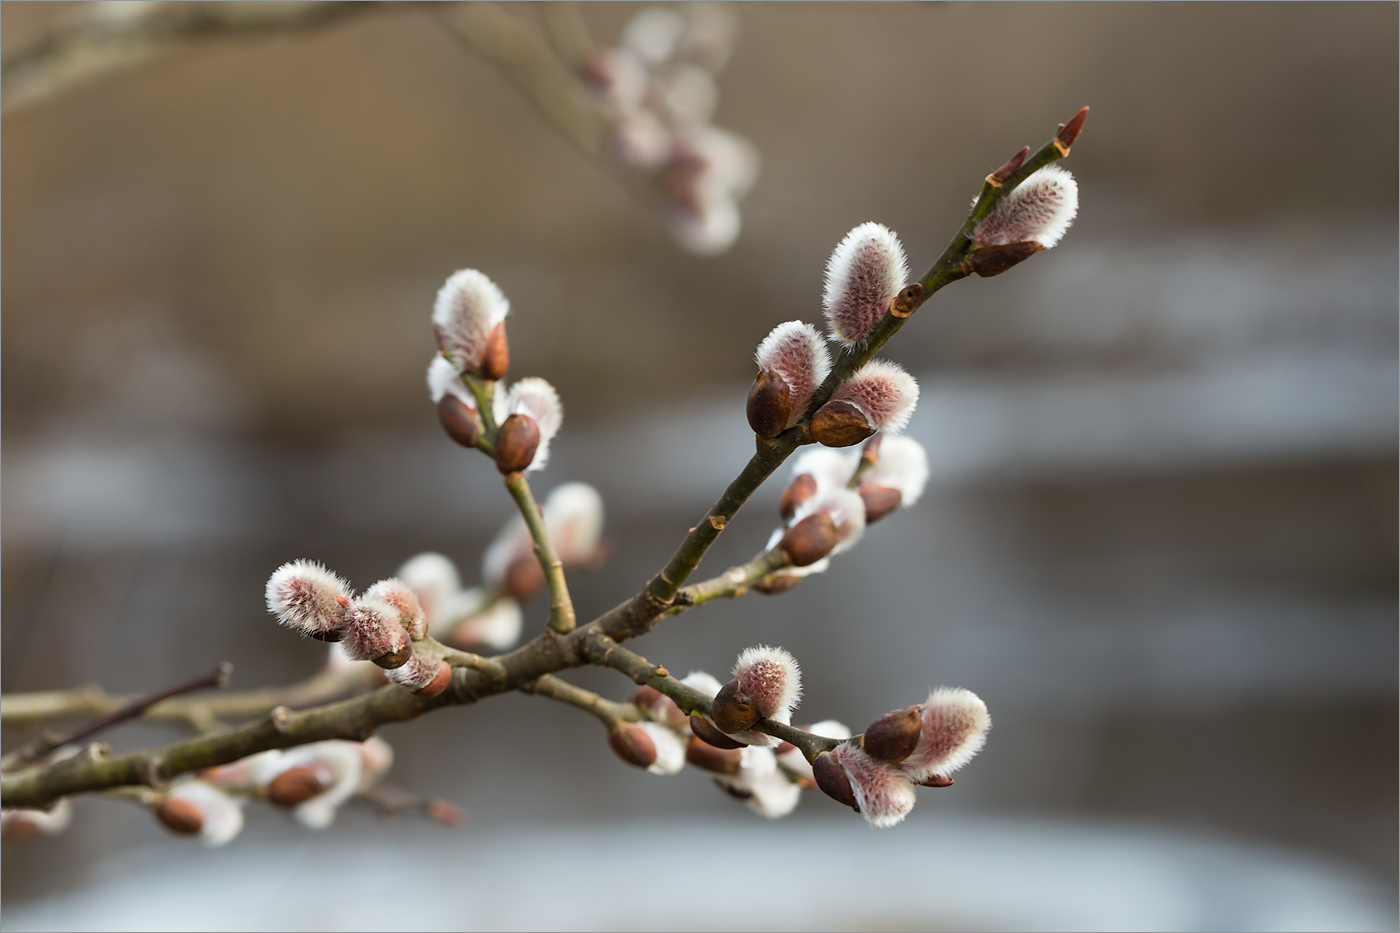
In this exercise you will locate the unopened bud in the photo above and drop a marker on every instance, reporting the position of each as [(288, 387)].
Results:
[(882, 393), (810, 540), (730, 712), (894, 735), (524, 577), (296, 786), (466, 314), (719, 760), (395, 658), (496, 358), (779, 582), (461, 422), (374, 632), (832, 780), (424, 673), (308, 598), (632, 744), (660, 706), (879, 501), (999, 177), (706, 732), (840, 424), (770, 679), (180, 816), (516, 443), (1069, 132), (769, 405), (440, 680), (797, 492), (994, 260)]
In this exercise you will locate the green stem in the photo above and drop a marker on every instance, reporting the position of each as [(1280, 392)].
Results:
[(608, 712), (561, 607), (734, 582)]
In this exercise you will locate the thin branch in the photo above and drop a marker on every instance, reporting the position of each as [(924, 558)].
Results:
[(609, 713), (608, 653), (561, 607), (105, 38), (734, 582), (47, 742)]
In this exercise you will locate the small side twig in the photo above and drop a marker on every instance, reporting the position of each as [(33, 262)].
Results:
[(609, 712), (47, 742)]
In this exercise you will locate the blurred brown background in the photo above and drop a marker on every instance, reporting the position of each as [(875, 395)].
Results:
[(1160, 538)]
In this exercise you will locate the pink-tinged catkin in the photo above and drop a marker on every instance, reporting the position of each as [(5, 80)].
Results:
[(902, 464), (400, 595), (468, 308), (866, 270), (1038, 210), (847, 512), (795, 351), (769, 680), (955, 724), (536, 398), (373, 631), (307, 597), (423, 673), (884, 795), (885, 394)]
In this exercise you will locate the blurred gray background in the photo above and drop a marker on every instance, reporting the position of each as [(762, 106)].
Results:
[(1159, 541)]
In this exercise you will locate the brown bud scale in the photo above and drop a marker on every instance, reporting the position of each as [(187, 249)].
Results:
[(903, 304), (516, 443), (936, 780), (894, 735), (994, 260), (879, 501), (461, 423), (810, 539), (729, 711), (706, 732), (776, 583), (495, 359), (180, 816), (769, 405), (797, 492), (719, 760), (832, 780), (395, 659), (839, 424), (633, 745), (524, 578), (295, 786)]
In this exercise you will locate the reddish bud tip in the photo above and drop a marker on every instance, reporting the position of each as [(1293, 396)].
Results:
[(840, 424), (894, 735), (936, 780), (440, 680), (810, 540), (180, 816), (832, 780), (994, 260), (295, 786), (769, 405), (496, 358), (705, 731), (719, 760), (633, 745), (798, 491), (461, 423), (1070, 131), (730, 713), (879, 501), (524, 578), (998, 178), (516, 443)]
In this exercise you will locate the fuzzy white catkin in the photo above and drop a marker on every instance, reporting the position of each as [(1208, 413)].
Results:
[(1040, 209), (535, 397), (902, 464), (670, 749), (468, 307), (865, 271), (954, 729), (770, 679), (847, 511), (221, 815), (443, 379), (884, 392), (795, 351)]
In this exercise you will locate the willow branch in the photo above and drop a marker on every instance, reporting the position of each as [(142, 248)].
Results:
[(609, 712), (24, 708), (734, 582), (605, 652), (104, 38), (561, 607), (47, 742), (525, 57)]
